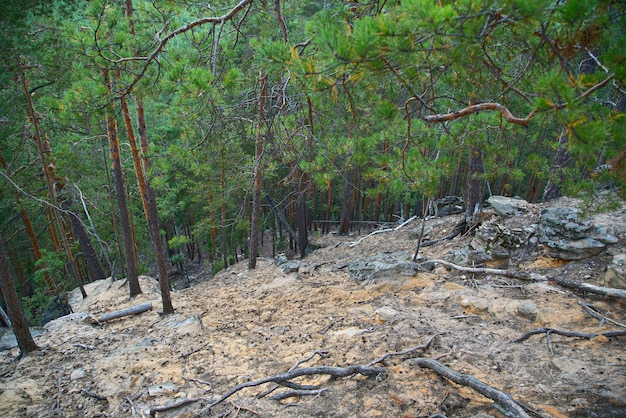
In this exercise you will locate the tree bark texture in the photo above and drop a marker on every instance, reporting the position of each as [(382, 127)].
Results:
[(14, 308), (48, 167), (346, 205), (118, 180), (95, 266), (300, 210), (258, 177), (148, 199)]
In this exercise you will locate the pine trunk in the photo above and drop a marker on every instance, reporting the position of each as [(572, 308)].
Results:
[(557, 176), (118, 181), (95, 266), (474, 186), (346, 205), (258, 178), (14, 308), (48, 167)]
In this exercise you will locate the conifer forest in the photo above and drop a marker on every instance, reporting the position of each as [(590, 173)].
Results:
[(141, 135)]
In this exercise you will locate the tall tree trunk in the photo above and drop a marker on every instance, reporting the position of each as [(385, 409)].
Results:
[(223, 209), (118, 180), (258, 177), (300, 196), (14, 308), (148, 200), (474, 196), (330, 202), (27, 287), (346, 205), (118, 245), (142, 170), (43, 148), (95, 266), (557, 176)]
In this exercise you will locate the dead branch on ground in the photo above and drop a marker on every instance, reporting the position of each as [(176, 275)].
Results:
[(380, 231), (572, 284), (549, 331), (133, 310), (459, 228), (503, 401), (282, 379), (593, 312)]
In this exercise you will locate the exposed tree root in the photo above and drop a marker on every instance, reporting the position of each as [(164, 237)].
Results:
[(504, 402), (284, 379), (572, 284), (549, 331)]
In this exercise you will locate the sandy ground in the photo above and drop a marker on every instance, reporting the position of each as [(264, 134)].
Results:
[(245, 325)]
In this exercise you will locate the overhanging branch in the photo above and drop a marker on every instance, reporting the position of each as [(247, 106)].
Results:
[(163, 41), (506, 113)]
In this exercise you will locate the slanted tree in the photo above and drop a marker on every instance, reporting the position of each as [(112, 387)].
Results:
[(14, 308)]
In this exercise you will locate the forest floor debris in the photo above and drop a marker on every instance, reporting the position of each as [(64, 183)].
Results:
[(242, 327)]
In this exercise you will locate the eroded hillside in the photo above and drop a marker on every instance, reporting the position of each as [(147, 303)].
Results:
[(241, 326)]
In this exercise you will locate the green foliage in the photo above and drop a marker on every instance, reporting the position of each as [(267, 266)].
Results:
[(347, 94)]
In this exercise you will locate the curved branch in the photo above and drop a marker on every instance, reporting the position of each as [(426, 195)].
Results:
[(511, 408), (506, 113), (162, 42)]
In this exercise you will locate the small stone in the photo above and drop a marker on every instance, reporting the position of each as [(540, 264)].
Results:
[(78, 373), (386, 313), (527, 310)]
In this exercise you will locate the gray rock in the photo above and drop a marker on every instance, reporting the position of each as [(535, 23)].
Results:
[(508, 206), (569, 237), (78, 373), (281, 259), (615, 275), (191, 325), (382, 265), (527, 310), (449, 205), (291, 266)]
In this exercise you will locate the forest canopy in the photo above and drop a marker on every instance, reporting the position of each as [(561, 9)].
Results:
[(154, 133)]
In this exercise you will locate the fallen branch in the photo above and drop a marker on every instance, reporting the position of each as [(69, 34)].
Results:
[(591, 311), (163, 408), (549, 331), (503, 400), (133, 310), (458, 229), (485, 270), (94, 395), (586, 287), (284, 380), (292, 393), (380, 231), (572, 284)]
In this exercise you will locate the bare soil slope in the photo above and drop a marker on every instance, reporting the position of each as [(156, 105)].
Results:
[(245, 325)]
